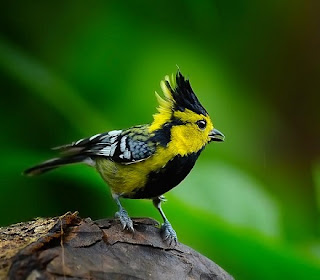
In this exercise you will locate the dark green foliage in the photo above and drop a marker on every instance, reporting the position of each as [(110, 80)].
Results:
[(72, 70)]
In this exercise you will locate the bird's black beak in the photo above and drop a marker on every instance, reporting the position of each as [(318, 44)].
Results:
[(216, 135)]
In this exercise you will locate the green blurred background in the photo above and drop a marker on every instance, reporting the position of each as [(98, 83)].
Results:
[(72, 69)]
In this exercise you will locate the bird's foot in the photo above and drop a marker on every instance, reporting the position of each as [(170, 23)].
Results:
[(168, 233), (125, 220)]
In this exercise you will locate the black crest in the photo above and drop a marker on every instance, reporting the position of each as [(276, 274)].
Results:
[(184, 96)]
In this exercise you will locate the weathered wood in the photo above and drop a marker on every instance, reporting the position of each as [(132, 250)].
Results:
[(70, 247)]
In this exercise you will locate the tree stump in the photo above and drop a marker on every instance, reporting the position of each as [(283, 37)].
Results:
[(69, 247)]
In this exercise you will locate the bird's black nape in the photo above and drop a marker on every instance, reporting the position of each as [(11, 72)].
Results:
[(184, 96)]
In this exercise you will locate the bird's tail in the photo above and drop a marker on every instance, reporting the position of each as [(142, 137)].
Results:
[(54, 163)]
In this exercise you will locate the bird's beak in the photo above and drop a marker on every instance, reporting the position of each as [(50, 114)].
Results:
[(216, 135)]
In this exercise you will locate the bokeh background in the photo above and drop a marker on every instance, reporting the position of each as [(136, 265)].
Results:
[(71, 69)]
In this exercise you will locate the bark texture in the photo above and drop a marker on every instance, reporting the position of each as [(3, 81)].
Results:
[(69, 247)]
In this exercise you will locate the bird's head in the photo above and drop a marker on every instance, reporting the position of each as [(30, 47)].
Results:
[(181, 113)]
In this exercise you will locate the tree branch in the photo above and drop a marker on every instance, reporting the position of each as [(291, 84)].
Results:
[(71, 247)]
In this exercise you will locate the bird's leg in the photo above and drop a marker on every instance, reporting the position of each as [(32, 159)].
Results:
[(123, 216), (167, 232)]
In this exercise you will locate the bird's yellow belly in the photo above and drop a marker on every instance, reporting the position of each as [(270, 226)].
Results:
[(122, 179), (125, 179)]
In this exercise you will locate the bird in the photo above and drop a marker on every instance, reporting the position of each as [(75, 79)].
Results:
[(146, 161)]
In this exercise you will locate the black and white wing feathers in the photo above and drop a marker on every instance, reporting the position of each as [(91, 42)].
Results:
[(123, 146)]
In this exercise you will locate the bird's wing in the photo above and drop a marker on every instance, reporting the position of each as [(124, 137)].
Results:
[(123, 146)]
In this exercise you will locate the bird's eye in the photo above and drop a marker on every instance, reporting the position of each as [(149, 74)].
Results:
[(201, 124)]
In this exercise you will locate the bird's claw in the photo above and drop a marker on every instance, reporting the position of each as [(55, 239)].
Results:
[(162, 198), (125, 220), (168, 233)]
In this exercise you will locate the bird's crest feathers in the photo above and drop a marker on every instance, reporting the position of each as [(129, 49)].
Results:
[(178, 96)]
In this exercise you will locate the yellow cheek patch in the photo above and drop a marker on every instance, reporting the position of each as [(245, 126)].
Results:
[(187, 139)]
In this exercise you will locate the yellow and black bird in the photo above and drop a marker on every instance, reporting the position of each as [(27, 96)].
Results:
[(146, 161)]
